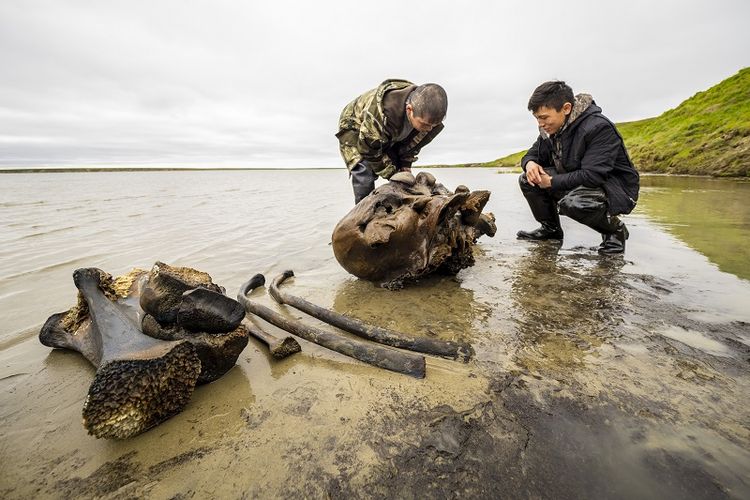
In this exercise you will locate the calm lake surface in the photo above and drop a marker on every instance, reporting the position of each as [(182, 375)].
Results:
[(234, 224), (646, 354)]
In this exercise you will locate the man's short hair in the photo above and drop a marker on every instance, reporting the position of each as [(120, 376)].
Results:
[(429, 102), (552, 94)]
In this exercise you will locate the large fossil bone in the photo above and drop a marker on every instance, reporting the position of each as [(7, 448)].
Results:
[(218, 351), (139, 381), (409, 228), (368, 352), (193, 308), (444, 348), (278, 347)]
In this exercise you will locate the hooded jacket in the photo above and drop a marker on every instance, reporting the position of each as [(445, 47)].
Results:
[(370, 125), (590, 153)]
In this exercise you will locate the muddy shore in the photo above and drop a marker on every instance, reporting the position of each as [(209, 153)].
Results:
[(593, 378)]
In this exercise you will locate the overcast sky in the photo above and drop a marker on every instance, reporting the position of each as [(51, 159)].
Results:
[(261, 84)]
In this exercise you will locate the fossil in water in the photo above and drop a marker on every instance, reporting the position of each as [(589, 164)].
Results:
[(409, 228)]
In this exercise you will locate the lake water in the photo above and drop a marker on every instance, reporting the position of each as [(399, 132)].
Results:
[(234, 224), (659, 332)]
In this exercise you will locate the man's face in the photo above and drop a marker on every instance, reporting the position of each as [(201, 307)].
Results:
[(418, 123), (550, 120)]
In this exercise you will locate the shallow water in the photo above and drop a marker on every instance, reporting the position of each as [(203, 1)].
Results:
[(615, 374)]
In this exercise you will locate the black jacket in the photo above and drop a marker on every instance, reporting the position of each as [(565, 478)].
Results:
[(593, 155)]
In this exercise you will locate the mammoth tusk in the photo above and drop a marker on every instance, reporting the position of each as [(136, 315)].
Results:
[(373, 354), (444, 348)]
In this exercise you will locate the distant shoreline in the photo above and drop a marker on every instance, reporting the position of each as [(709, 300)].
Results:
[(37, 170), (145, 169)]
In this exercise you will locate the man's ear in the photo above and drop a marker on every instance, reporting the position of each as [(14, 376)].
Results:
[(567, 108)]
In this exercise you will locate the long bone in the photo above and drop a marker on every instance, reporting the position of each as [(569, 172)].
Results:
[(278, 347), (374, 354), (444, 348)]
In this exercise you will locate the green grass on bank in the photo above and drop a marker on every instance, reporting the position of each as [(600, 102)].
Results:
[(708, 134)]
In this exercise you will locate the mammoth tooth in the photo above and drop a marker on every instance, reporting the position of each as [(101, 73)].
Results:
[(452, 206), (140, 381), (426, 178), (162, 294), (217, 351), (471, 209), (204, 316), (204, 310), (403, 177)]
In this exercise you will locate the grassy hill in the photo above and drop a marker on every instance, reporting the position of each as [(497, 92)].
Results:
[(708, 134)]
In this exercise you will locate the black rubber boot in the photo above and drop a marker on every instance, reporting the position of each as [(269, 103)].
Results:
[(614, 243), (544, 208), (545, 232), (363, 181)]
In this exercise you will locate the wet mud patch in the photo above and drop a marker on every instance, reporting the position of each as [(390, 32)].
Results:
[(122, 478), (104, 481), (517, 444), (446, 453), (578, 449)]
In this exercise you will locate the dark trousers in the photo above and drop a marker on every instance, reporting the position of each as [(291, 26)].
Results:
[(582, 204), (363, 181)]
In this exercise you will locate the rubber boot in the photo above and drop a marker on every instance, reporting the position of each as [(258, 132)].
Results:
[(544, 208), (363, 181), (547, 231), (614, 243)]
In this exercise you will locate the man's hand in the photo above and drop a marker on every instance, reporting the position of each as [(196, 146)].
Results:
[(534, 173), (546, 180)]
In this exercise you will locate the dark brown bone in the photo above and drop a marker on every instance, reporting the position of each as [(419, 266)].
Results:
[(373, 354), (218, 352), (204, 316), (279, 348), (204, 310), (448, 349), (162, 295), (410, 228), (140, 382)]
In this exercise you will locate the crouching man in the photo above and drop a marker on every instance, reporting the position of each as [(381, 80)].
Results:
[(577, 167)]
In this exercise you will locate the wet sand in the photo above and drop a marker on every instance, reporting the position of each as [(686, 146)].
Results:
[(594, 377)]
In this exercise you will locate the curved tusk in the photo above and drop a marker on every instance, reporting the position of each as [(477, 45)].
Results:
[(444, 348), (374, 354)]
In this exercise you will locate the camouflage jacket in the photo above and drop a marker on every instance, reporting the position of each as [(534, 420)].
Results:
[(369, 125)]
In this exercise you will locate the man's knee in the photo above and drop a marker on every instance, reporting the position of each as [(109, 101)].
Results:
[(582, 203)]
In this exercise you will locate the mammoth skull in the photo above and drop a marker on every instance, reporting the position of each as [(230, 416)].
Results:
[(409, 228)]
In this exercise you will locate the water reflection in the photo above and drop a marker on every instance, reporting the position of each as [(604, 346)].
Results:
[(567, 305), (712, 216), (437, 306)]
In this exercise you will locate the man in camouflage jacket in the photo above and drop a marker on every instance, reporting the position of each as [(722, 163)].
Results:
[(382, 131)]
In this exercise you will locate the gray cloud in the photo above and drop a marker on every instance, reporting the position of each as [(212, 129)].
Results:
[(261, 84)]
